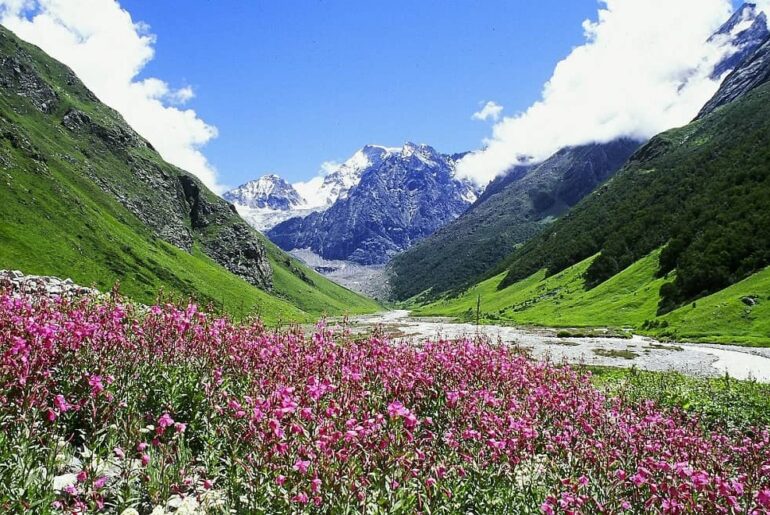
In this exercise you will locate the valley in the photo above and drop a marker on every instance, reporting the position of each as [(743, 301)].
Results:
[(559, 304)]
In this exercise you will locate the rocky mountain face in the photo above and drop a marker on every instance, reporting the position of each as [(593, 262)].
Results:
[(745, 31), (513, 208), (752, 72), (94, 143), (338, 183), (402, 197), (269, 191)]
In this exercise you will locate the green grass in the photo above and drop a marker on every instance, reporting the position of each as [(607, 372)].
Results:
[(628, 299), (60, 218), (722, 402), (724, 317), (561, 300)]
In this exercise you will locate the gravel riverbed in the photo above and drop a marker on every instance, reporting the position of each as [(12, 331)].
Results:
[(639, 351)]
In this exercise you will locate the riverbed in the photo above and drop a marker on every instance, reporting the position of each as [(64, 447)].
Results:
[(639, 351)]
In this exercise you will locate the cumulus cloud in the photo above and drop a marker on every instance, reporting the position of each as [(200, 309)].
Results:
[(490, 111), (644, 68), (107, 50)]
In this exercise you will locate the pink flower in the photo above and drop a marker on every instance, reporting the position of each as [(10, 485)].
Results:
[(141, 446), (119, 453), (280, 480), (763, 498), (700, 479), (180, 427), (165, 421), (275, 426), (82, 476), (315, 485), (145, 460), (95, 382), (410, 421), (207, 484), (100, 482), (300, 498), (396, 409), (51, 415), (61, 403), (301, 466)]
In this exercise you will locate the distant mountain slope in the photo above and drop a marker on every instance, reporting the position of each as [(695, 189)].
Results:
[(511, 210), (84, 196), (398, 201), (701, 190)]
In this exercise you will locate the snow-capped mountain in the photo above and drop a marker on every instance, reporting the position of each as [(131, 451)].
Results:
[(403, 196), (744, 32), (269, 200), (267, 192), (322, 192)]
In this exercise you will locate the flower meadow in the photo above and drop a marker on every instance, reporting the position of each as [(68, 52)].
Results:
[(107, 406)]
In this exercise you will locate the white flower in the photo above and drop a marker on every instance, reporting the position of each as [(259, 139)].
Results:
[(129, 511), (63, 481)]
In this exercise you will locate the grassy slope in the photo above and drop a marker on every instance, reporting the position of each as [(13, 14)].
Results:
[(57, 221), (627, 299)]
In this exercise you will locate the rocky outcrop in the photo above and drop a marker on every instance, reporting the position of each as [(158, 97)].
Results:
[(18, 76), (15, 282), (226, 238)]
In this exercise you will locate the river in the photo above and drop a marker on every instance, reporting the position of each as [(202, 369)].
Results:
[(639, 351)]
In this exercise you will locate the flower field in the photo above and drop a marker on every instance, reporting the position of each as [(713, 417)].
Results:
[(105, 406)]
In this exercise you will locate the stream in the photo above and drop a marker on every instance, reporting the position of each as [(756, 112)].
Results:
[(639, 351)]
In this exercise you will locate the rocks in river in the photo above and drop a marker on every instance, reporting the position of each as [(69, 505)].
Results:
[(18, 283)]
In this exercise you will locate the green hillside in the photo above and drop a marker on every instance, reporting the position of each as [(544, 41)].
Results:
[(701, 191), (83, 196), (738, 314)]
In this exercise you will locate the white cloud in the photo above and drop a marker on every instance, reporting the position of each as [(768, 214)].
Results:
[(644, 68), (490, 111), (107, 50)]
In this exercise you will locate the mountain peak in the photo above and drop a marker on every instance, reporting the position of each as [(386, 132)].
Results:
[(268, 192), (742, 34), (743, 18)]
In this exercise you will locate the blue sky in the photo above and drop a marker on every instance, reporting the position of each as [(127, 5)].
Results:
[(290, 84)]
